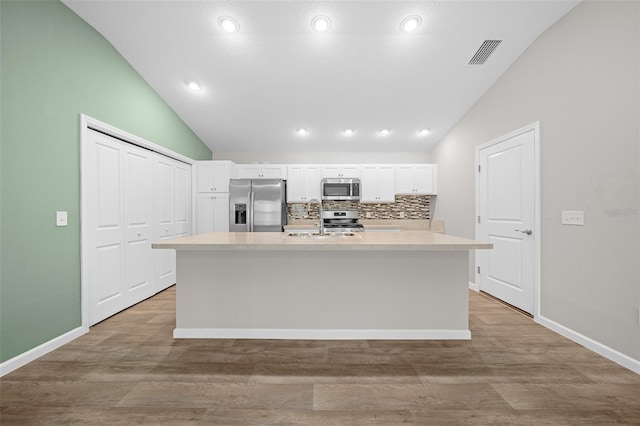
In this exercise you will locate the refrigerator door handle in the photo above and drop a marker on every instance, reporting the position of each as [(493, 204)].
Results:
[(250, 222)]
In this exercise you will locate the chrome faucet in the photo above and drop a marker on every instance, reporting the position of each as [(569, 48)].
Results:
[(321, 221)]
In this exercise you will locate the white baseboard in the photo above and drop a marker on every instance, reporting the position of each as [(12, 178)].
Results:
[(316, 334), (607, 352), (473, 286), (31, 355)]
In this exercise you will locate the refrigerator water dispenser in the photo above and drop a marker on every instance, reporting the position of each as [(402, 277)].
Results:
[(240, 214)]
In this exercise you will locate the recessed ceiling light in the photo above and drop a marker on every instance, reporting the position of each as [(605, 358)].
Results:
[(302, 131), (384, 132), (194, 86), (423, 132), (228, 24), (410, 23), (347, 132), (321, 24)]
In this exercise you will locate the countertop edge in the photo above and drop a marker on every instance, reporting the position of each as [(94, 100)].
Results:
[(323, 247)]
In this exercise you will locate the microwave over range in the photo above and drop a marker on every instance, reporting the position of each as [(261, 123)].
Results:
[(340, 189)]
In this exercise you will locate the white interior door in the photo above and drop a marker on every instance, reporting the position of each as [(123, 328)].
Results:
[(507, 219), (105, 260), (138, 219), (182, 199), (165, 195)]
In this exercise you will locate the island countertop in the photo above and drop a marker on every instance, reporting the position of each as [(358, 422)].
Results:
[(402, 240)]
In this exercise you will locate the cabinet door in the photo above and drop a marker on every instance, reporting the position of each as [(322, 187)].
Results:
[(312, 182), (258, 171), (205, 213), (273, 172), (303, 183), (350, 171), (212, 213), (295, 184), (405, 179), (249, 171), (386, 184), (205, 176), (369, 184), (221, 176), (221, 213), (424, 179), (341, 171)]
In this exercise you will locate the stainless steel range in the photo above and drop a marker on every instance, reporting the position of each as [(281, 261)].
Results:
[(341, 221)]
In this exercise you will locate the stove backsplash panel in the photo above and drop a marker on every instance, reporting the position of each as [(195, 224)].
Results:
[(404, 207)]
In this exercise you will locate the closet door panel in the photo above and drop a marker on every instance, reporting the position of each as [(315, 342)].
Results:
[(138, 218), (165, 259), (182, 199), (106, 260)]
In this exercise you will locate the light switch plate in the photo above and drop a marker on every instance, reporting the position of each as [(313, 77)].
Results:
[(573, 218), (61, 218)]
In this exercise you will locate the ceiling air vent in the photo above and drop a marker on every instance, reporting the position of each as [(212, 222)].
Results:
[(487, 48)]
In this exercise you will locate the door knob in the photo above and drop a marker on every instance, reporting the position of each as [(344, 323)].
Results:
[(525, 231)]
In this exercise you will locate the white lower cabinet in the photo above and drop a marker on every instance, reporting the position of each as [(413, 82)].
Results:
[(378, 183), (212, 213)]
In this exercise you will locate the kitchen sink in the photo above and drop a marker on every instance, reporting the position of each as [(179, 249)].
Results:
[(317, 235), (303, 234)]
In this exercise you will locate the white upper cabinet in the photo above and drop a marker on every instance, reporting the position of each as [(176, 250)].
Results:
[(341, 171), (378, 183), (303, 183), (416, 179), (259, 171), (213, 176)]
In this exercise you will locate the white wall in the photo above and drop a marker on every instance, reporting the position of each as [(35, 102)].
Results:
[(581, 80), (324, 157)]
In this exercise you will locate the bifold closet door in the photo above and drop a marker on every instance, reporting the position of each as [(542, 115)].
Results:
[(132, 197), (174, 213), (103, 174), (138, 220)]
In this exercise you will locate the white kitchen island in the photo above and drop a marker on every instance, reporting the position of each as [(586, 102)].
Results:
[(400, 285)]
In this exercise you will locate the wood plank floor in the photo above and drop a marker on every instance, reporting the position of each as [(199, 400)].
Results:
[(129, 370)]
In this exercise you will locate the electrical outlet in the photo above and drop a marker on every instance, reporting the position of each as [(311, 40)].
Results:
[(573, 218), (61, 218), (369, 215), (402, 215)]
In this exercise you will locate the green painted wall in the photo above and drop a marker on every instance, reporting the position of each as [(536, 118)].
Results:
[(55, 67)]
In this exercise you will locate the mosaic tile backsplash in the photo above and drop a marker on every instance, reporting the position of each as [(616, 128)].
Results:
[(405, 207)]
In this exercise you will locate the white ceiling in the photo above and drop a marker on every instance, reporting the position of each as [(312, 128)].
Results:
[(276, 74)]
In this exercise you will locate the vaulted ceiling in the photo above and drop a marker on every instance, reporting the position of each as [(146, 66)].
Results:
[(276, 74)]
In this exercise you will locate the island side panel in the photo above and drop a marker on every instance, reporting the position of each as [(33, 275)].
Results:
[(322, 294)]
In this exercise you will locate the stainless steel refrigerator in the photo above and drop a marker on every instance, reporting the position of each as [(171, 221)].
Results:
[(257, 205)]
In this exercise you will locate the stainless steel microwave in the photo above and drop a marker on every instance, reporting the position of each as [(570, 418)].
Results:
[(340, 189)]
